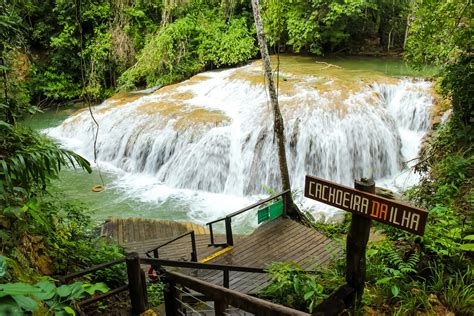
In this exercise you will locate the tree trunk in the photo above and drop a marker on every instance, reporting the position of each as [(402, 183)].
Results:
[(278, 125), (406, 31)]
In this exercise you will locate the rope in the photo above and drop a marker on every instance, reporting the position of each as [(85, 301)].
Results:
[(96, 188)]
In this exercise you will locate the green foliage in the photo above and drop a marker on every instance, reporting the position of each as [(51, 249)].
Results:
[(440, 31), (199, 40), (455, 287), (333, 230), (166, 57), (67, 237), (29, 160), (36, 228), (458, 83), (469, 243), (292, 286), (3, 267), (53, 84), (75, 246), (325, 26), (225, 43), (155, 294), (443, 233), (44, 295), (385, 265), (13, 98), (458, 293), (81, 50)]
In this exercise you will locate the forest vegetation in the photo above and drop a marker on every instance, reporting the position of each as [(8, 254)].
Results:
[(56, 52)]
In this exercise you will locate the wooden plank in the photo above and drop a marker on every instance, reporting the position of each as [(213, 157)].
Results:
[(143, 230), (258, 283), (146, 229), (255, 240), (274, 241), (136, 229), (277, 240), (247, 256), (245, 302), (265, 252), (125, 230), (119, 237), (304, 242)]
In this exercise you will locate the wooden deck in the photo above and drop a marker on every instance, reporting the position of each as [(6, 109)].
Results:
[(129, 230), (180, 249), (140, 235), (277, 240)]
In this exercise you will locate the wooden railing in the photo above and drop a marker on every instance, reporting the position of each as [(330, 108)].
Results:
[(68, 278), (222, 297), (193, 245), (203, 266), (228, 219)]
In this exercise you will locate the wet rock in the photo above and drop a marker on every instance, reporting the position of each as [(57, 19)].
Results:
[(45, 265), (376, 235), (386, 193)]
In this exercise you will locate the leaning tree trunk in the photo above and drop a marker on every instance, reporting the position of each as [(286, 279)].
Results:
[(278, 126)]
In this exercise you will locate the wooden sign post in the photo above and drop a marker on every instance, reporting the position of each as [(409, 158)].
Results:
[(356, 245), (364, 206)]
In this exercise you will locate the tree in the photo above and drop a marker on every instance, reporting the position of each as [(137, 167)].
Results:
[(278, 124), (441, 33), (10, 38)]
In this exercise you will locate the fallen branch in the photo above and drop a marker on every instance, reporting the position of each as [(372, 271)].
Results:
[(328, 65)]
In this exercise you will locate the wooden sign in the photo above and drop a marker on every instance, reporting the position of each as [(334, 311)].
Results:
[(384, 210)]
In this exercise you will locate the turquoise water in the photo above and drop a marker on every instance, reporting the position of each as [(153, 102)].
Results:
[(388, 66), (77, 184)]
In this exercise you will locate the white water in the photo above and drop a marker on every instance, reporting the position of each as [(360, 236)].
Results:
[(218, 166)]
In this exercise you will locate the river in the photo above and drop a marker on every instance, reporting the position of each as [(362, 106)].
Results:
[(203, 148)]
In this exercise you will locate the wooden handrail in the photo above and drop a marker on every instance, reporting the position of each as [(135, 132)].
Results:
[(248, 208), (100, 297), (193, 245), (224, 296), (228, 219), (105, 265), (198, 265), (74, 275)]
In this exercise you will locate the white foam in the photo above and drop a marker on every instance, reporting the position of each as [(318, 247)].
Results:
[(219, 168)]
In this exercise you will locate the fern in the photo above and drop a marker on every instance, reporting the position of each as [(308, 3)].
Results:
[(398, 265), (29, 160), (410, 265)]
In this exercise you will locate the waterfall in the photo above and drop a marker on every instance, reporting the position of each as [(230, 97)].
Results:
[(212, 135)]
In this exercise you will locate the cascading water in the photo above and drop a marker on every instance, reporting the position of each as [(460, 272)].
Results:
[(210, 139)]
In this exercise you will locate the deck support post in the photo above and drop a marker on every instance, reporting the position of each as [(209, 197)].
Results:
[(136, 286), (228, 231), (169, 295), (193, 245), (226, 279), (356, 246), (219, 307), (211, 232)]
